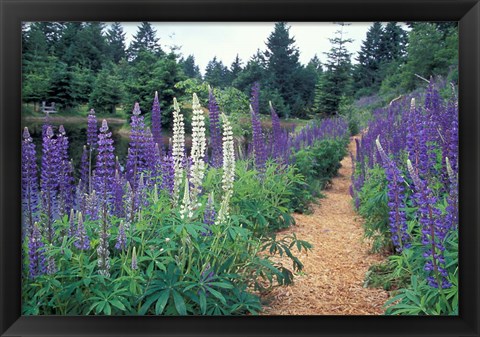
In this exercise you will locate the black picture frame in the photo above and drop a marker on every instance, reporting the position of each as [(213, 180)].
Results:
[(13, 12)]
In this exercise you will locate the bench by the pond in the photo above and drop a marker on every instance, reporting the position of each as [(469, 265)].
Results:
[(48, 108)]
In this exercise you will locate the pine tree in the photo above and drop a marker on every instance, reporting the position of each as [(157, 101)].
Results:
[(216, 74), (393, 42), (190, 69), (37, 65), (254, 71), (370, 58), (235, 69), (282, 63), (116, 42), (108, 90), (144, 40), (336, 79)]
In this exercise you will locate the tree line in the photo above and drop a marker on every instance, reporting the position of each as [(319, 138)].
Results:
[(75, 64)]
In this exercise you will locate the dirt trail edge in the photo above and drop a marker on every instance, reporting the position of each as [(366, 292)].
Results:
[(334, 270)]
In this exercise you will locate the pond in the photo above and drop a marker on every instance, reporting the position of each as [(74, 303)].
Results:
[(77, 136)]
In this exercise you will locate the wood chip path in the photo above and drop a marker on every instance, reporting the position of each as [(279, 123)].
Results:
[(334, 270)]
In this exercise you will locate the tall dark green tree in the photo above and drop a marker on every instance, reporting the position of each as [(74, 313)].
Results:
[(336, 80), (370, 58), (254, 71), (145, 40), (115, 38), (37, 65), (430, 52), (108, 90), (393, 42), (282, 63), (235, 69), (216, 73), (61, 91), (190, 69)]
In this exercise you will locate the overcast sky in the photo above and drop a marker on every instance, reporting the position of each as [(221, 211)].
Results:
[(225, 39)]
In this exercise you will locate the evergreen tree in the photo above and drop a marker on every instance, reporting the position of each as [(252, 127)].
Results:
[(216, 73), (61, 91), (116, 42), (144, 40), (83, 44), (108, 90), (190, 69), (83, 82), (393, 42), (369, 59), (52, 32), (429, 53), (37, 65), (282, 63), (253, 72), (235, 69), (336, 79)]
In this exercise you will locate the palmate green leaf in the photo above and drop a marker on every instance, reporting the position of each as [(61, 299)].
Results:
[(107, 310), (117, 304), (203, 302), (217, 294), (144, 308), (162, 301), (221, 285), (179, 303)]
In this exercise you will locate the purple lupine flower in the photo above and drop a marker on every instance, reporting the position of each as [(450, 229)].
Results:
[(433, 231), (118, 193), (92, 139), (66, 180), (92, 206), (103, 253), (82, 241), (259, 151), (209, 216), (84, 170), (105, 169), (215, 131), (151, 156), (396, 202), (451, 216), (255, 98), (129, 201), (29, 181), (168, 173), (92, 133), (121, 243), (137, 160), (156, 121), (36, 253), (49, 180)]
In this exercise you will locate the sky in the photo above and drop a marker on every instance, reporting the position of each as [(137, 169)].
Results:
[(224, 40)]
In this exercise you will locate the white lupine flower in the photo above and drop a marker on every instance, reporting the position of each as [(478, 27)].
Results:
[(451, 175), (186, 211), (199, 144), (178, 149), (412, 104), (228, 168)]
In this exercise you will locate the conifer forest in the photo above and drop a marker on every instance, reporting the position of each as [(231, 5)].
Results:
[(268, 186)]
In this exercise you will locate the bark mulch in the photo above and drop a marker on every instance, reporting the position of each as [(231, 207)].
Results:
[(331, 282)]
